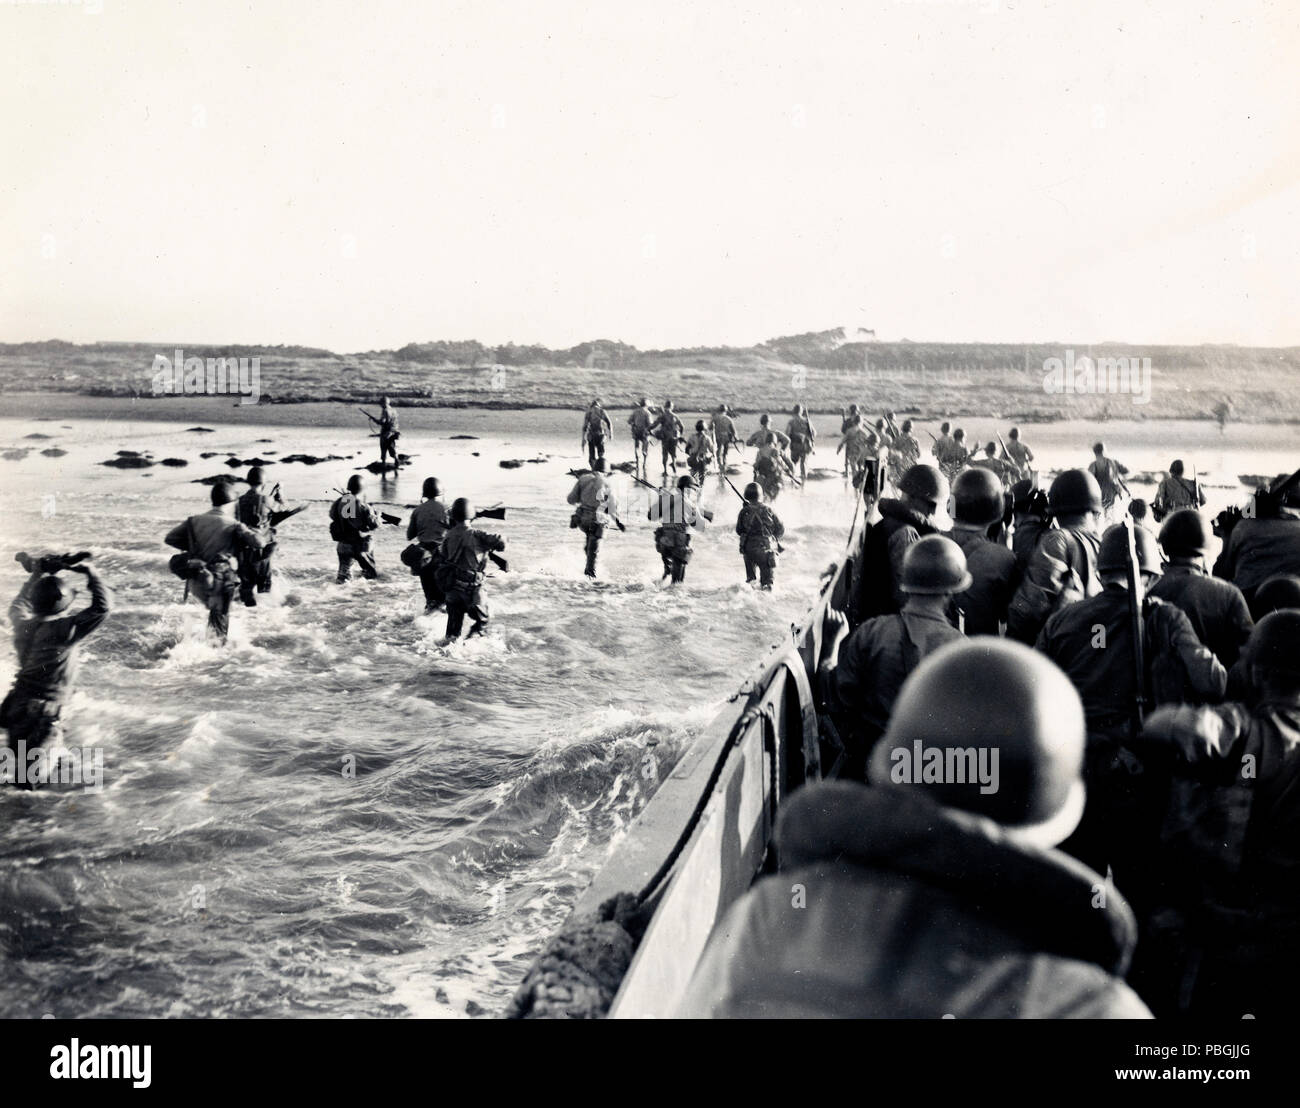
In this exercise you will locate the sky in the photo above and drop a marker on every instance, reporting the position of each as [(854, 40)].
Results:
[(361, 175)]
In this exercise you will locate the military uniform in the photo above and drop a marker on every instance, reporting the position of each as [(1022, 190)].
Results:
[(351, 521), (428, 526), (253, 510), (995, 577), (461, 575), (596, 428), (1216, 609), (881, 571), (676, 515), (1259, 549), (724, 434), (214, 542), (670, 431), (1175, 493), (592, 495), (759, 530), (1061, 570)]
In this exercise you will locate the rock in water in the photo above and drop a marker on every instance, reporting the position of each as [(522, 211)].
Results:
[(511, 463), (130, 461), (53, 452), (174, 462), (201, 430)]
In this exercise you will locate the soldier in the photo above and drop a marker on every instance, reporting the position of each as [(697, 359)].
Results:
[(932, 889), (942, 446), (864, 679), (956, 455), (465, 552), (1093, 642), (1109, 475), (859, 447), (595, 500), (676, 513), (212, 544), (428, 526), (1228, 916), (668, 429), (351, 521), (802, 437), (850, 419), (1061, 569), (884, 434), (1274, 595), (257, 510), (771, 463), (46, 642), (1004, 471), (1264, 544), (386, 421), (596, 428), (1030, 517), (640, 421), (907, 447), (978, 504), (902, 522), (1216, 609), (760, 534), (724, 435), (1176, 492), (1018, 452), (699, 451)]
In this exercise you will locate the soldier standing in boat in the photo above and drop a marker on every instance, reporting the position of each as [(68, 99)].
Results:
[(594, 497), (760, 534)]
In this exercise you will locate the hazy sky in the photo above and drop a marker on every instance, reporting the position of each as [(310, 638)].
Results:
[(365, 174)]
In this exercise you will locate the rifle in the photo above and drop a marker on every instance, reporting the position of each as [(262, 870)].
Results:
[(1135, 610), (779, 548), (1196, 489), (373, 419), (278, 518), (494, 512)]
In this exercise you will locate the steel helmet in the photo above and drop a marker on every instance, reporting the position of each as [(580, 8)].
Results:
[(934, 565), (1282, 591), (1075, 490), (50, 596), (751, 492), (997, 700), (1185, 533), (1021, 491), (699, 425), (1112, 556), (977, 496), (1275, 642), (687, 482), (925, 483), (223, 492)]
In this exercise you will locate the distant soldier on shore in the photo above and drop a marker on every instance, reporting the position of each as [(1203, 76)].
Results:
[(802, 437), (386, 421), (1004, 471), (1021, 456), (594, 498), (724, 434), (640, 421), (1110, 479), (956, 456), (668, 429), (1176, 492), (596, 428)]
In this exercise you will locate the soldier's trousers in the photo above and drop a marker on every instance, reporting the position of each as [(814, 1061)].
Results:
[(433, 594), (254, 576), (462, 603), (762, 566), (362, 556), (595, 532), (31, 720), (595, 450)]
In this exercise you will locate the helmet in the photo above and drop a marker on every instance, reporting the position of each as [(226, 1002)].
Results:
[(1075, 490), (1112, 556), (763, 419), (907, 425), (1272, 644), (459, 510), (255, 476), (699, 425), (1014, 433), (354, 483), (1009, 726), (1176, 467), (959, 434), (223, 492), (687, 482), (990, 448), (751, 492), (925, 483), (431, 488), (1282, 591), (933, 566), (1020, 493), (944, 428), (1185, 534), (50, 596), (977, 496), (596, 403)]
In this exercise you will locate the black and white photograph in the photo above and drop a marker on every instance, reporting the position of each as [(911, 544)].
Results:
[(660, 511)]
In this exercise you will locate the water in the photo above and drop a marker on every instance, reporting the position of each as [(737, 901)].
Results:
[(230, 867)]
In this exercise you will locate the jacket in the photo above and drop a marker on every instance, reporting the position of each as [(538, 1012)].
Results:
[(881, 569), (1259, 549), (891, 906), (1061, 570), (354, 518), (1216, 609), (213, 536), (429, 523), (994, 577), (759, 529), (464, 555), (47, 646), (591, 493)]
